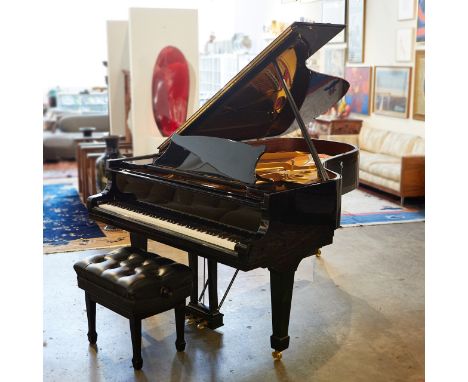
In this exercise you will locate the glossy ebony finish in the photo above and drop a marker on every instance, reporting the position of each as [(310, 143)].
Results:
[(211, 155), (198, 184)]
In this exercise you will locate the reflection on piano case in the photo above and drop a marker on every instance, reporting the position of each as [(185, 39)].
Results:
[(227, 187)]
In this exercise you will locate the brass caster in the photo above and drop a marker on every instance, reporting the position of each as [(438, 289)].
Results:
[(202, 325), (318, 253), (277, 355)]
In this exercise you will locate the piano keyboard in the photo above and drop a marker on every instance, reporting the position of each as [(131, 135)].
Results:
[(168, 225)]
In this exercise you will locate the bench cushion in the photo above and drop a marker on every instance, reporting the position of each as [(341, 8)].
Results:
[(135, 274)]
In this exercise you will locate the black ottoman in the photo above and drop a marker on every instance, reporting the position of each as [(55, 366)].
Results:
[(135, 284)]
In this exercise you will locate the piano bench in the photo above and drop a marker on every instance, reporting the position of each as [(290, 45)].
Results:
[(135, 284)]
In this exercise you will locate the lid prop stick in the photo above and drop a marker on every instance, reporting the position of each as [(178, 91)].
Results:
[(321, 170)]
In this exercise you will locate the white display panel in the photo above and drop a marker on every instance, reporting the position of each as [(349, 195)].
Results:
[(151, 30)]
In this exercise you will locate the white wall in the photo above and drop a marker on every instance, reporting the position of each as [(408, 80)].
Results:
[(380, 49), (117, 60), (150, 30)]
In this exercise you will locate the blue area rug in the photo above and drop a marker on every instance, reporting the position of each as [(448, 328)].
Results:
[(361, 207), (65, 218)]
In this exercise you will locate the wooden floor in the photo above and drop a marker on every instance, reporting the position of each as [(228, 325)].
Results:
[(357, 315)]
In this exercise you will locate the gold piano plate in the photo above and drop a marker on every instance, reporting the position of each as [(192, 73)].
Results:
[(287, 166)]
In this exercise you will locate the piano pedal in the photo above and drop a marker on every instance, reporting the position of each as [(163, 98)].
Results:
[(318, 253), (277, 355), (190, 319), (202, 324)]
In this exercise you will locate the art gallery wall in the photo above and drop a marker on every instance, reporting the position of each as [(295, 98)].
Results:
[(380, 50), (117, 60), (150, 30)]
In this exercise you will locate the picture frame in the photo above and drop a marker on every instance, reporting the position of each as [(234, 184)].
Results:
[(356, 30), (392, 91), (359, 93), (419, 98), (334, 11), (404, 44), (421, 26), (406, 9), (334, 61)]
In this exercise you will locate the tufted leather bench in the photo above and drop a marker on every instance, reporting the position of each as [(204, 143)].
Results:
[(137, 285)]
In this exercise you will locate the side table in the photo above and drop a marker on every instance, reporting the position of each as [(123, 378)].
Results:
[(337, 126)]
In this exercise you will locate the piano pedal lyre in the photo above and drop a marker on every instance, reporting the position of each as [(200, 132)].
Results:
[(202, 324), (277, 355), (318, 253)]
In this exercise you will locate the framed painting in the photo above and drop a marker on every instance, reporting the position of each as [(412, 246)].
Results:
[(419, 99), (334, 11), (404, 45), (334, 61), (421, 31), (392, 90), (356, 31), (405, 9), (358, 95)]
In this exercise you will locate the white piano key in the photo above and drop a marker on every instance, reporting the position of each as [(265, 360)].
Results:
[(177, 228)]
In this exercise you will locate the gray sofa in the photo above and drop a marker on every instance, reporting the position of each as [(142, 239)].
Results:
[(60, 141)]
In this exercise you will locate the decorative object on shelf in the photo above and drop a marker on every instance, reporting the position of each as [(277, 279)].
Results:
[(334, 11), (404, 44), (87, 131), (391, 90), (405, 9), (421, 31), (112, 152), (358, 96), (170, 90), (334, 61), (356, 30), (419, 101)]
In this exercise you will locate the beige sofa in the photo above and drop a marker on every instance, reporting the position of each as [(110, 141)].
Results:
[(389, 161)]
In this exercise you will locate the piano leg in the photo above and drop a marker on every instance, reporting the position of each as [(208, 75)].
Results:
[(207, 315), (281, 285), (138, 241)]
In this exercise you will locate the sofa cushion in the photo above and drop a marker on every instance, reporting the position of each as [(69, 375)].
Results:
[(371, 139), (398, 144), (385, 166), (375, 179), (418, 147), (73, 123)]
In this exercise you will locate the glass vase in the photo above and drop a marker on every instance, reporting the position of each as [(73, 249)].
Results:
[(112, 152)]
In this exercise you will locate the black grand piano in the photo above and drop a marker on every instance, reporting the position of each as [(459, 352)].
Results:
[(227, 187)]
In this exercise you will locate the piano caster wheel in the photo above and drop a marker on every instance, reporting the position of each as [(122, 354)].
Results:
[(202, 325), (277, 355), (318, 253)]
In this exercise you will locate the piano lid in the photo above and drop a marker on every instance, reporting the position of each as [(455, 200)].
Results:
[(253, 105)]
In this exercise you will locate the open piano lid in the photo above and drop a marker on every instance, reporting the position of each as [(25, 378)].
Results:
[(253, 104)]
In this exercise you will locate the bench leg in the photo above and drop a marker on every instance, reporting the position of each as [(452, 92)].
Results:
[(180, 324), (135, 330), (91, 313)]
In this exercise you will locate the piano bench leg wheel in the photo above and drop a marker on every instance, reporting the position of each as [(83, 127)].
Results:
[(202, 325), (277, 355), (318, 253), (137, 363)]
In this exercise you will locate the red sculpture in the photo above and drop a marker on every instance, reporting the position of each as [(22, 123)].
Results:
[(170, 90)]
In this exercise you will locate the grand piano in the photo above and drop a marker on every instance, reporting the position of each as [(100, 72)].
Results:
[(228, 187)]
